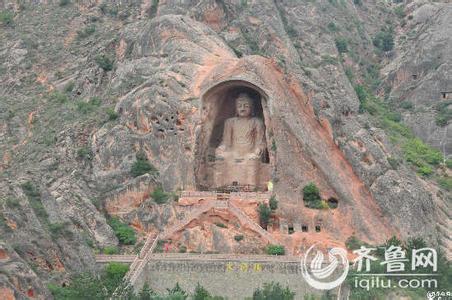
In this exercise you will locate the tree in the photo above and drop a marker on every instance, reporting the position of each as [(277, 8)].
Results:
[(201, 293), (159, 195), (177, 290), (311, 193), (264, 214), (341, 44), (273, 203), (272, 291)]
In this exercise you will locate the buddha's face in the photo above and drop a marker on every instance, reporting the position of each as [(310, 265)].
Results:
[(244, 106)]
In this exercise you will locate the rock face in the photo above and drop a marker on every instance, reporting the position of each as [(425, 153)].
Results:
[(420, 73), (63, 150)]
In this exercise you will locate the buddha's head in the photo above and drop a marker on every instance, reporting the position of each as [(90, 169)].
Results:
[(244, 105)]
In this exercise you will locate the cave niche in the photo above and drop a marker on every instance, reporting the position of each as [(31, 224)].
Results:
[(218, 105)]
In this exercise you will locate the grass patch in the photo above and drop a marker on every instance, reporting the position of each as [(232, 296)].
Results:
[(86, 107)]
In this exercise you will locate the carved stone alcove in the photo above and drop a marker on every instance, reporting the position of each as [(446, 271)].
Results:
[(218, 108)]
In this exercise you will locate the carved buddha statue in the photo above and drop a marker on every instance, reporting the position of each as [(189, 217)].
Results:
[(238, 158)]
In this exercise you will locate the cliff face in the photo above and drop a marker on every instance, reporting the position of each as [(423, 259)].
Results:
[(72, 123)]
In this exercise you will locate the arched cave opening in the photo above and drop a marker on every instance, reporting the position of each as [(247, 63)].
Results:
[(333, 203), (218, 105)]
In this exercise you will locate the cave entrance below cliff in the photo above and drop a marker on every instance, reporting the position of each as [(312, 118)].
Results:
[(333, 203), (218, 105)]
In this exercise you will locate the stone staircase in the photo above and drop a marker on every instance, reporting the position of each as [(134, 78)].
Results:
[(140, 261), (244, 219)]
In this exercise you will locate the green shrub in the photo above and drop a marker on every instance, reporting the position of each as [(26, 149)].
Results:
[(112, 115), (311, 193), (400, 11), (449, 163), (221, 225), (182, 249), (264, 214), (273, 291), (329, 60), (89, 286), (11, 202), (425, 170), (201, 293), (116, 271), (6, 17), (34, 198), (384, 40), (104, 61), (159, 195), (415, 243), (358, 2), (110, 250), (142, 166), (64, 2), (238, 237), (341, 44), (177, 292), (406, 105), (332, 27), (445, 183), (86, 32), (444, 113), (353, 243), (420, 154), (88, 106), (59, 229), (124, 233), (275, 250), (273, 202), (393, 162), (69, 87), (58, 97), (85, 153)]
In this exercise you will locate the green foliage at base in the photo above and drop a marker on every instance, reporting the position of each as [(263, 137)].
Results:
[(124, 233), (89, 286), (275, 250), (273, 291)]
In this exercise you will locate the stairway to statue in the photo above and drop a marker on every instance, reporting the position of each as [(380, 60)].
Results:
[(244, 219)]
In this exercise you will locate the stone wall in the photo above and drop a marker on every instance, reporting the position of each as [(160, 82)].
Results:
[(231, 278)]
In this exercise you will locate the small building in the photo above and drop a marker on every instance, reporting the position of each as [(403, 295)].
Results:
[(446, 95)]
